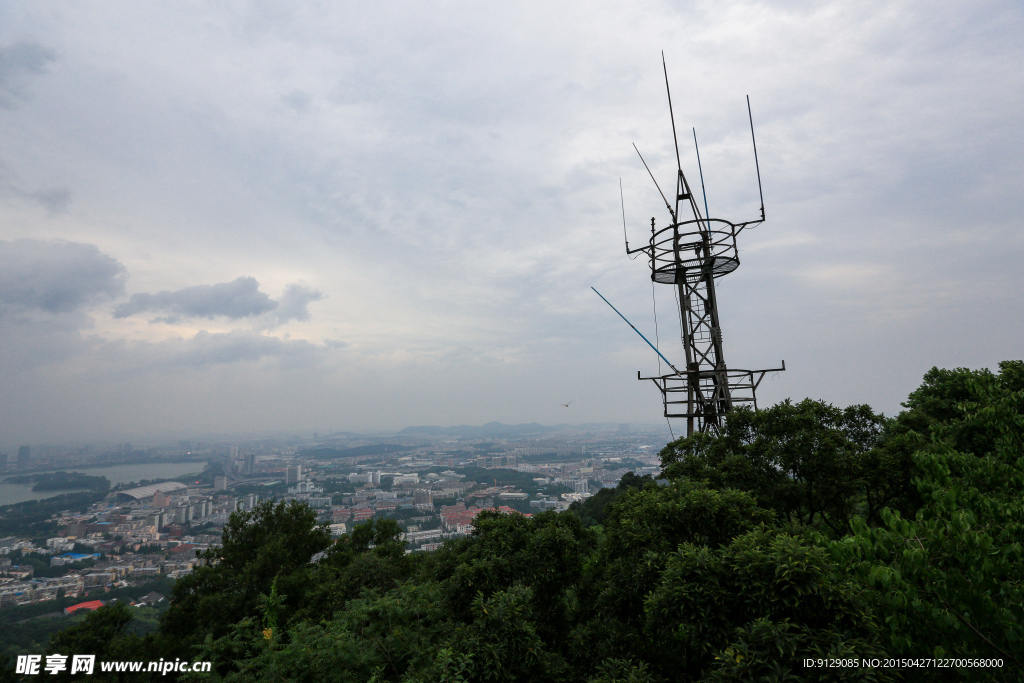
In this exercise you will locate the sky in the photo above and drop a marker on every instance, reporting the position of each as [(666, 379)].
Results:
[(247, 217)]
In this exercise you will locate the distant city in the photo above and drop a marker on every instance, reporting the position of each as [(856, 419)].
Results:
[(432, 480)]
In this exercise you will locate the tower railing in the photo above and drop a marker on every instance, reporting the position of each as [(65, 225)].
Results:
[(693, 248)]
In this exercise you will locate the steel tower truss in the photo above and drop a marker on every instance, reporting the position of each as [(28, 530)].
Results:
[(690, 254)]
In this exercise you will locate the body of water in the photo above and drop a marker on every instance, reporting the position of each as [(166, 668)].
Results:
[(117, 474)]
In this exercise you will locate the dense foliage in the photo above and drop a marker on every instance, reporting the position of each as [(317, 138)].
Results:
[(61, 481), (34, 517), (802, 531)]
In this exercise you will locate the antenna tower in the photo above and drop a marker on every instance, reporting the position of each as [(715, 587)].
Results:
[(690, 253)]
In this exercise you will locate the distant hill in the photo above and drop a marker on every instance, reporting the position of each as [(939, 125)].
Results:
[(373, 449), (491, 429)]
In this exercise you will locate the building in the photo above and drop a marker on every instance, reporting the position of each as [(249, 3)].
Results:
[(293, 475), (249, 466), (69, 558), (142, 492), (307, 487), (87, 606), (423, 499), (361, 514), (23, 454), (220, 483)]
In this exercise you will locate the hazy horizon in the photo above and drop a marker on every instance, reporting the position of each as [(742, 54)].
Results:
[(237, 438)]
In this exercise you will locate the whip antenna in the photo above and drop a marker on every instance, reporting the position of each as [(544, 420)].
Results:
[(756, 165), (702, 192), (638, 332), (623, 201)]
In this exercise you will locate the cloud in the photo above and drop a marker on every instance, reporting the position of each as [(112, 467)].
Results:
[(57, 277), (293, 305), (238, 299), (55, 200), (17, 63), (209, 348)]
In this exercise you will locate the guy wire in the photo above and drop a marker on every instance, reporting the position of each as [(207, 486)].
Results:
[(679, 306), (654, 304), (657, 341)]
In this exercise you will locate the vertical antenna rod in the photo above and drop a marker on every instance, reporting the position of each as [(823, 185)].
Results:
[(756, 165), (703, 193), (623, 200), (681, 187), (679, 164)]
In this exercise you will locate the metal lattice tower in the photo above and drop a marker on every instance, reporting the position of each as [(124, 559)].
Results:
[(690, 254)]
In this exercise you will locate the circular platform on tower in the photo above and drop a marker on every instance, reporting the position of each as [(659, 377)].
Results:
[(689, 251)]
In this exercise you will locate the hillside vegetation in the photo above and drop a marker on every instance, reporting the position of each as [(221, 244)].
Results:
[(803, 531)]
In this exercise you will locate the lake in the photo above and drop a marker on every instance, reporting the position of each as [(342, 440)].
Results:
[(117, 474)]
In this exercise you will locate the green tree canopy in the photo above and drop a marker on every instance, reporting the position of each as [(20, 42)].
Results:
[(811, 462), (270, 542)]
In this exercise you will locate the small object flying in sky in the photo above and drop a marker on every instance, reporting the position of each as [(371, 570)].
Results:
[(566, 404)]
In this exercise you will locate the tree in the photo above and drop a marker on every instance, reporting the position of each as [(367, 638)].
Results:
[(502, 642), (811, 462), (594, 510), (762, 595), (939, 401), (641, 531), (103, 632), (372, 557), (270, 542), (545, 553), (950, 580)]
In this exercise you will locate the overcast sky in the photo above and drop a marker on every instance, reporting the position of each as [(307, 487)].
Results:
[(243, 217)]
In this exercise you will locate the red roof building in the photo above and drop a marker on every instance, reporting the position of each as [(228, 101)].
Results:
[(361, 514), (87, 606)]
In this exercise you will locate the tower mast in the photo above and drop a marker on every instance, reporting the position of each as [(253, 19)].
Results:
[(690, 253)]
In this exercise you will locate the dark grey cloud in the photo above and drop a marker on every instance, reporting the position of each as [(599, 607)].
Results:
[(240, 298), (54, 199), (293, 304), (18, 63), (56, 277)]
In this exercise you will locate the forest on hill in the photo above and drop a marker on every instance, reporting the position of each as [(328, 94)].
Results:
[(802, 534)]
